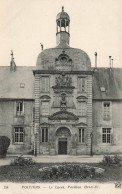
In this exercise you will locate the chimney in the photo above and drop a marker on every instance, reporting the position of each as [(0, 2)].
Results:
[(110, 61), (12, 63), (95, 59)]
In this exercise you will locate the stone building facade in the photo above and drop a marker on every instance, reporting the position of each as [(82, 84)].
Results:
[(62, 106)]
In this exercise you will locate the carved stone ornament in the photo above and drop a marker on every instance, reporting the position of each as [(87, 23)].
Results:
[(63, 83), (63, 102), (63, 115), (63, 60)]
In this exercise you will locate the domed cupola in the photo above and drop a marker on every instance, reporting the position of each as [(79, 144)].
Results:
[(63, 26)]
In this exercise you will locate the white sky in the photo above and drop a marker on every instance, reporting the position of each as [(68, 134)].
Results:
[(96, 25)]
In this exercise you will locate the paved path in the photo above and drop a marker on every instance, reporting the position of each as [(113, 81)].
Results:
[(58, 159), (55, 159)]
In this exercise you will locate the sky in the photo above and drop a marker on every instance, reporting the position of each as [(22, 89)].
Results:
[(95, 26)]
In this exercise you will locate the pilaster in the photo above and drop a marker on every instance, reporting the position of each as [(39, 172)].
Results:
[(37, 114), (89, 113)]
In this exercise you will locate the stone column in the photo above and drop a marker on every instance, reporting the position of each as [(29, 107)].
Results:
[(60, 25), (69, 27), (65, 25), (57, 27)]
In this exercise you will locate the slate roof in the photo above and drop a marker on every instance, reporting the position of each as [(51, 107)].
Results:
[(102, 77), (10, 82), (111, 80)]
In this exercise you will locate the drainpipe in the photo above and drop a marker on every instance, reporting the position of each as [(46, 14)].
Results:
[(91, 152)]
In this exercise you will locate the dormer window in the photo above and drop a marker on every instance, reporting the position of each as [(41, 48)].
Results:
[(19, 108), (102, 89), (106, 110)]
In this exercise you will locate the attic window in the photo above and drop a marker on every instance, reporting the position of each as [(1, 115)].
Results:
[(102, 89), (22, 85)]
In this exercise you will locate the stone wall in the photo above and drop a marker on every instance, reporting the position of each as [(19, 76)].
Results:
[(115, 123), (9, 120)]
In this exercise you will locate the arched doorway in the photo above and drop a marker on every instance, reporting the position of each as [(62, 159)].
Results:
[(63, 136)]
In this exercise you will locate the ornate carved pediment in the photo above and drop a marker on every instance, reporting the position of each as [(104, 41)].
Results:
[(45, 124), (45, 97), (82, 99), (81, 124), (63, 115)]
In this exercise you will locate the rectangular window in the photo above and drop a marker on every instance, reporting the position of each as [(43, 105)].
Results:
[(19, 108), (45, 84), (106, 110), (106, 135), (45, 108), (81, 84), (81, 135), (44, 137), (18, 134), (81, 108)]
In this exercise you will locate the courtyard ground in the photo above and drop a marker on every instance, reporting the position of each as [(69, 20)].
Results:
[(32, 174)]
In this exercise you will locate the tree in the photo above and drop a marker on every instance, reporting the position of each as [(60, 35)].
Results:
[(4, 144)]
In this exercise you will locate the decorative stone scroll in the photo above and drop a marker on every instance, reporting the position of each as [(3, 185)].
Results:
[(63, 115)]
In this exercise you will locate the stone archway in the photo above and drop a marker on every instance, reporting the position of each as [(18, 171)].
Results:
[(63, 135)]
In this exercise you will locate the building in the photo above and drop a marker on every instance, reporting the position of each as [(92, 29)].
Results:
[(63, 105)]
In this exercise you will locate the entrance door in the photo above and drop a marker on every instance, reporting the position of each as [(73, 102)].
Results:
[(62, 146)]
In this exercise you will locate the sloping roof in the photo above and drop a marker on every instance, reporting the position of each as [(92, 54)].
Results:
[(10, 82), (111, 80)]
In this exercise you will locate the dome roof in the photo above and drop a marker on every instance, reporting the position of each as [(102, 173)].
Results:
[(62, 15), (47, 59)]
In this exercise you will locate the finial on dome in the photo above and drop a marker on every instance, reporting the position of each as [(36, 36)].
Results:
[(62, 8)]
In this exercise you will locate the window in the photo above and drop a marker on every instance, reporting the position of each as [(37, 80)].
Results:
[(45, 108), (81, 108), (19, 108), (106, 111), (81, 135), (81, 84), (45, 84), (106, 135), (18, 135), (22, 85), (102, 89), (44, 137)]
